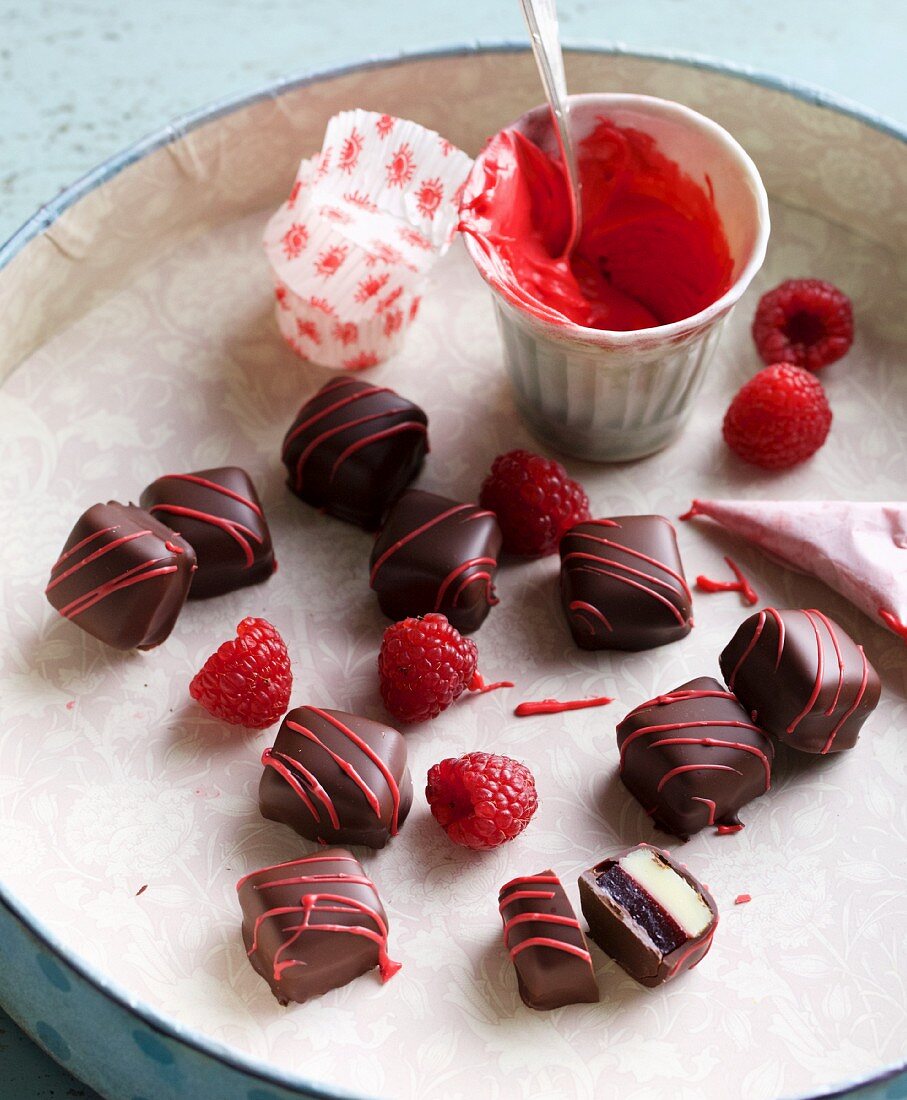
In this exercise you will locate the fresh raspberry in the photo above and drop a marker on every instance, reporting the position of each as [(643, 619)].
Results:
[(779, 418), (535, 502), (423, 666), (246, 681), (481, 800), (806, 322)]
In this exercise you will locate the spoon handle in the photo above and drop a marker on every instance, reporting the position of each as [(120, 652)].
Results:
[(541, 19)]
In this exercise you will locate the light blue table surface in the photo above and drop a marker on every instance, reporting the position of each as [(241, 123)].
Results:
[(81, 79)]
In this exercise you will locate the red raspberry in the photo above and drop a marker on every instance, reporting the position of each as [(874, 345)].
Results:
[(423, 666), (806, 322), (246, 681), (481, 800), (779, 418), (535, 502)]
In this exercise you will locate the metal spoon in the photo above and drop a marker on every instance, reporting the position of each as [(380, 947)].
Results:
[(541, 19)]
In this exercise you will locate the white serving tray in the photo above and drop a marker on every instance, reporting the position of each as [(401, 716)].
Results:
[(138, 339)]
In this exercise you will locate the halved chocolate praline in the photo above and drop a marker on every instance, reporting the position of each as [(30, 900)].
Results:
[(546, 943), (649, 913)]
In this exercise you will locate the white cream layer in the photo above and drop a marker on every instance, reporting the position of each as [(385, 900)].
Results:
[(672, 891)]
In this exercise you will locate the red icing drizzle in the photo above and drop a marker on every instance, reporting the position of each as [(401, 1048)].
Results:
[(216, 488), (728, 830), (711, 742), (237, 531), (893, 622), (484, 575), (540, 918), (861, 691), (145, 571), (559, 706), (318, 903), (681, 582), (694, 768), (478, 685), (287, 767), (114, 544), (667, 727), (741, 585), (708, 802), (757, 633), (742, 899), (586, 608)]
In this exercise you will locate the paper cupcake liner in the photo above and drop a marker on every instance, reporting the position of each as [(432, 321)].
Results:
[(365, 221)]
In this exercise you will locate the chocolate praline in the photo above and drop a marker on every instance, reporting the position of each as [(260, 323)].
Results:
[(546, 943), (219, 514), (436, 554), (649, 913), (693, 757), (336, 778), (802, 678), (122, 576), (353, 448), (313, 924), (622, 583)]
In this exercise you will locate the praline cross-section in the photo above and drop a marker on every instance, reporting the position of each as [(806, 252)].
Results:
[(546, 943), (313, 924), (219, 514), (353, 448), (436, 554), (802, 678), (622, 583), (336, 778), (123, 576), (693, 757), (648, 912)]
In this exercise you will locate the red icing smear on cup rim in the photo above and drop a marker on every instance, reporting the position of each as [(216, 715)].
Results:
[(652, 249)]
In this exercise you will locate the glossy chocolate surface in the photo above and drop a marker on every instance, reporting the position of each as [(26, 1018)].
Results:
[(546, 943), (122, 576), (634, 929), (435, 554), (336, 778), (802, 678), (693, 757), (353, 448), (313, 924), (219, 514), (622, 583)]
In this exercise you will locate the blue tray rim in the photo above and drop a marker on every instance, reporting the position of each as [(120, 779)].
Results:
[(47, 214)]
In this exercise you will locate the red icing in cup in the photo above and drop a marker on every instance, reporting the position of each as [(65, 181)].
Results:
[(652, 249)]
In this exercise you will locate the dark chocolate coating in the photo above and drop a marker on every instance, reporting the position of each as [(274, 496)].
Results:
[(435, 554), (353, 448), (313, 924), (635, 930), (693, 757), (336, 778), (548, 974), (802, 678), (219, 514), (622, 583), (122, 576)]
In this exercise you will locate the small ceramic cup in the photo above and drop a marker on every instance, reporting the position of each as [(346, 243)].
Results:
[(609, 396)]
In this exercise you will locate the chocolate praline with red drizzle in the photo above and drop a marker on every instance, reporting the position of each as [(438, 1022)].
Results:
[(122, 576), (436, 554), (313, 924), (649, 913), (622, 583), (219, 514), (353, 448), (802, 678), (336, 778), (693, 757), (546, 944)]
